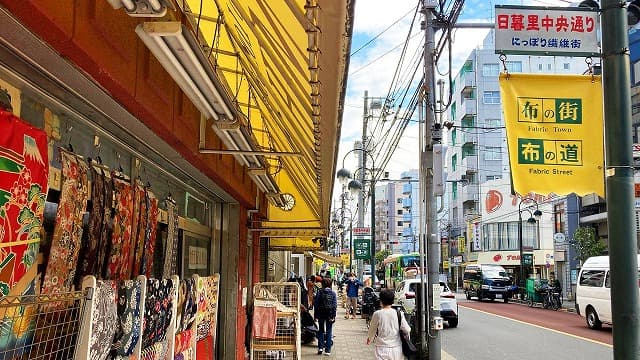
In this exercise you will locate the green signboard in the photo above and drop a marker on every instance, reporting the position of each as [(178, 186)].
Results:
[(361, 249)]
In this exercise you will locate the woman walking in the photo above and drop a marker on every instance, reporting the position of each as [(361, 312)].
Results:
[(385, 329)]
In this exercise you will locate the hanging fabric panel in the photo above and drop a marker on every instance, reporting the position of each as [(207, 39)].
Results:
[(150, 233), (24, 172), (104, 320), (105, 234), (63, 255), (171, 245), (139, 236), (158, 311), (120, 247), (89, 254), (128, 336)]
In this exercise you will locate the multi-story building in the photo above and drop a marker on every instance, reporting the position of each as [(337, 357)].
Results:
[(477, 148)]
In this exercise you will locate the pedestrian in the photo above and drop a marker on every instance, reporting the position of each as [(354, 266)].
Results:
[(384, 329), (353, 286), (326, 306), (311, 291)]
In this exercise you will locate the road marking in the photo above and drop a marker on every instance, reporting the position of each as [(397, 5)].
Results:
[(541, 327), (446, 356)]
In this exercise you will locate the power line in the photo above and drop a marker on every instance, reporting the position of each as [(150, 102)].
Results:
[(383, 31)]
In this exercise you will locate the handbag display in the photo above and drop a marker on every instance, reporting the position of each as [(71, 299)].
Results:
[(408, 349)]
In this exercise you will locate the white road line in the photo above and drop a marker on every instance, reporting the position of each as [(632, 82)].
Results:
[(542, 327)]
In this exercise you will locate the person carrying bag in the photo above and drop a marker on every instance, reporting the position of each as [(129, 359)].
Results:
[(386, 328)]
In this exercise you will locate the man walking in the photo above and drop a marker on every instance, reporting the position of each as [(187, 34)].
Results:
[(326, 306), (353, 285)]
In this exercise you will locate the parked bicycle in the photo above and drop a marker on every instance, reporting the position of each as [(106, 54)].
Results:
[(551, 299)]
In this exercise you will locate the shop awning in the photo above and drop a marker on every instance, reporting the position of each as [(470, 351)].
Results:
[(326, 257), (284, 65)]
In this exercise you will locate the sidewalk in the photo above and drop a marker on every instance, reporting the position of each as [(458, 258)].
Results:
[(349, 341)]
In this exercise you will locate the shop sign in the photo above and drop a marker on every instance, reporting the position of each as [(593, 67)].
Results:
[(445, 264), (361, 249), (457, 260), (362, 231), (535, 30), (197, 257), (554, 133)]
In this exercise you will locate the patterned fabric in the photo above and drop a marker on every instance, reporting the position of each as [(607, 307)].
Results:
[(65, 244), (186, 355), (187, 304), (207, 306), (138, 196), (89, 254), (120, 247), (204, 348), (139, 236), (104, 319), (158, 313), (183, 341), (24, 173), (171, 246), (150, 233), (128, 333), (157, 351), (105, 235)]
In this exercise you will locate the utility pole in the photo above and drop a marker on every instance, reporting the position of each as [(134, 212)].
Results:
[(619, 177), (426, 166), (361, 176)]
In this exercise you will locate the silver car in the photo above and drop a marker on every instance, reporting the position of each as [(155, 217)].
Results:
[(405, 296)]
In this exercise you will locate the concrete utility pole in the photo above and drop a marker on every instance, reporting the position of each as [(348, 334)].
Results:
[(426, 167), (625, 308), (362, 174)]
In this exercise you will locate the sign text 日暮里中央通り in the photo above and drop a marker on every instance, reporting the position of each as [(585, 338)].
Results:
[(554, 133), (546, 31)]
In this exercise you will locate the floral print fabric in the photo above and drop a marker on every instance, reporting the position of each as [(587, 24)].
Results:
[(63, 256), (158, 311), (151, 228), (89, 263), (207, 306), (24, 173), (128, 335), (171, 245), (104, 320), (120, 247)]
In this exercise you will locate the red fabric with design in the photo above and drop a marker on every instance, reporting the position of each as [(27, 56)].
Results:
[(24, 174), (264, 322)]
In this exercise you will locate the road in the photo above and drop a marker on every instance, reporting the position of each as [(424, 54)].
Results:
[(493, 330)]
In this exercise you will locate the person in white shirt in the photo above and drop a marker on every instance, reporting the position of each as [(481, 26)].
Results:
[(384, 329)]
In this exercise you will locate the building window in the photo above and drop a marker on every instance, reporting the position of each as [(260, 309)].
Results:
[(494, 123), (454, 191), (514, 66), (400, 223), (549, 67), (454, 162), (490, 69), (540, 67), (399, 212), (399, 200), (558, 215), (491, 97), (454, 134), (492, 153), (493, 177), (398, 234), (565, 66)]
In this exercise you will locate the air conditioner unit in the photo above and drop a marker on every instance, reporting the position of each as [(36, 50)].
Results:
[(143, 8)]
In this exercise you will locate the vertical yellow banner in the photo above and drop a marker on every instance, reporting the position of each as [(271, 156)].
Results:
[(554, 133)]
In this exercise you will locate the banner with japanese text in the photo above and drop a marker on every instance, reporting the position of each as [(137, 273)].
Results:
[(554, 126)]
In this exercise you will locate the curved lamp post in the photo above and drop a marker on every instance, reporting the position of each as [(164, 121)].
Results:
[(355, 187), (533, 218)]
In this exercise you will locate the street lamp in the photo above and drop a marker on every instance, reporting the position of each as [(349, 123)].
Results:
[(355, 187), (533, 216)]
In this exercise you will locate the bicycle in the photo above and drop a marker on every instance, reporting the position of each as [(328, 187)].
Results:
[(551, 299)]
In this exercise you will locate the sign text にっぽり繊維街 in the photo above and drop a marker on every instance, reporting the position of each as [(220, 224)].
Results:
[(570, 31)]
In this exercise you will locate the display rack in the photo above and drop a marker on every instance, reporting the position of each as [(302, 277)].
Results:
[(40, 326), (286, 344)]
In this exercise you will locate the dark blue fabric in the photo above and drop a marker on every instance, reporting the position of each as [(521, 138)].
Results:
[(331, 313), (325, 334), (352, 287)]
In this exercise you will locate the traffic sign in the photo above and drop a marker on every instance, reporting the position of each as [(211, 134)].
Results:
[(361, 249)]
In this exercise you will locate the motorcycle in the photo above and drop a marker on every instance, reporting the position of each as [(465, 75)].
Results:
[(309, 329)]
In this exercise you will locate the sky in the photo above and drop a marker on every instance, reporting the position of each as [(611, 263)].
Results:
[(372, 66)]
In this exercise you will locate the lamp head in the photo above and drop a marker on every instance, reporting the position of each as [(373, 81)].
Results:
[(589, 4), (531, 220), (633, 12), (343, 176), (537, 213), (355, 187)]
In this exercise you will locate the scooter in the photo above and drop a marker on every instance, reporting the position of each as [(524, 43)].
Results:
[(370, 303), (309, 329)]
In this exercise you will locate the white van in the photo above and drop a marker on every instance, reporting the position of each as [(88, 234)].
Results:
[(593, 292)]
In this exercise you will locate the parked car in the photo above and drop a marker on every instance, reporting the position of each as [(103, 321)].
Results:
[(405, 296)]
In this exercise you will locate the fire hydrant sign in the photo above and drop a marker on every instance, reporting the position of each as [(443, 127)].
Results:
[(568, 31), (554, 133)]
